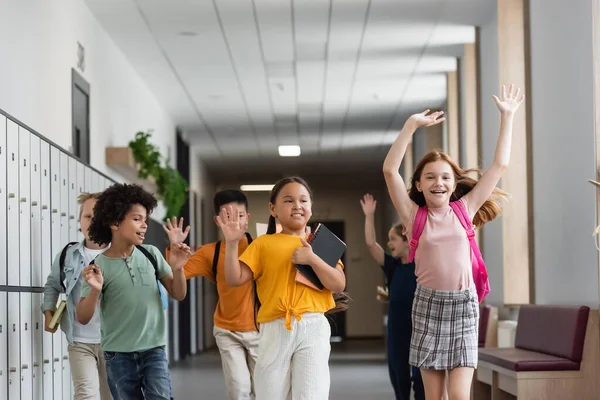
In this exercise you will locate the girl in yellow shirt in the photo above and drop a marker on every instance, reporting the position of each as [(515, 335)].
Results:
[(293, 356)]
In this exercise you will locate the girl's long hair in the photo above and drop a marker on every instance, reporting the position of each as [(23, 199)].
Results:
[(464, 184), (341, 299)]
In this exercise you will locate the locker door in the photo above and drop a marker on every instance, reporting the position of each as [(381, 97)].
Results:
[(26, 338), (96, 182), (88, 180), (66, 372), (46, 359), (36, 217), (108, 183), (80, 189), (14, 348), (46, 235), (73, 192), (24, 207), (3, 232), (3, 347), (55, 189), (12, 179), (37, 329), (64, 235)]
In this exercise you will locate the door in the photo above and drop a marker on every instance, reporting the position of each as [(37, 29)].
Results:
[(3, 231), (24, 208), (36, 217), (64, 239), (26, 350), (337, 320), (80, 189), (14, 347), (3, 346), (47, 363), (12, 179), (81, 117), (55, 215), (37, 354), (46, 236)]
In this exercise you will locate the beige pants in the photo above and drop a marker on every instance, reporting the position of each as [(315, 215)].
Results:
[(88, 372), (239, 351)]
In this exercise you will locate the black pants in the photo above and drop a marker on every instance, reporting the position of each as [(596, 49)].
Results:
[(402, 375)]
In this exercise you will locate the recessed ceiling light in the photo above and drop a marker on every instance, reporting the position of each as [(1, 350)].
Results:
[(256, 188), (187, 33), (289, 151)]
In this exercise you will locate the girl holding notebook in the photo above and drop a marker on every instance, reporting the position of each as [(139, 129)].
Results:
[(293, 356)]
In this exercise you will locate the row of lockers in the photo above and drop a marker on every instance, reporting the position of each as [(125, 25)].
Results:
[(34, 364), (38, 202)]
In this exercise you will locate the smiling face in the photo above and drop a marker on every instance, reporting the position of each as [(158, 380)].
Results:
[(397, 245), (292, 207), (437, 183), (85, 217), (132, 229)]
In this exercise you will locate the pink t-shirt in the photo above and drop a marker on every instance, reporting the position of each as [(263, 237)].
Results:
[(443, 256)]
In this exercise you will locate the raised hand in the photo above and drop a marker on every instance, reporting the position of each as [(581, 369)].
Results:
[(175, 230), (422, 120), (510, 102), (229, 222), (93, 277), (368, 204), (304, 254), (179, 255)]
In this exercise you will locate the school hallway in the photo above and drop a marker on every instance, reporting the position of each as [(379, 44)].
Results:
[(358, 371)]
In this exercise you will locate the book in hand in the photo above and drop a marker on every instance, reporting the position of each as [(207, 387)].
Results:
[(57, 314), (328, 247)]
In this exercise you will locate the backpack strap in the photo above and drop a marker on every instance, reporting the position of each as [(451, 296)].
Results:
[(218, 252), (61, 264), (150, 257), (216, 260), (463, 216), (417, 229)]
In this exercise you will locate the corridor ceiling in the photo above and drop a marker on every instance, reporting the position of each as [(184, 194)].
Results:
[(337, 77)]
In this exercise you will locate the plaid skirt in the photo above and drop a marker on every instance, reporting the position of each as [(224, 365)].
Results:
[(445, 329)]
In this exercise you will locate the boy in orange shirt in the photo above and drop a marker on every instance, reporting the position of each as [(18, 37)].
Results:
[(235, 329)]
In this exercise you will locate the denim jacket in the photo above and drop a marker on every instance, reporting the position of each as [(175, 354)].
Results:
[(74, 265)]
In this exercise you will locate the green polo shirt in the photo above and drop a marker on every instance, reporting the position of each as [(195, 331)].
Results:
[(131, 310)]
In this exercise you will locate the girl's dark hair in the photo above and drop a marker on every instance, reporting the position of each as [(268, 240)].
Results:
[(464, 184), (272, 227), (341, 299), (113, 205), (399, 230)]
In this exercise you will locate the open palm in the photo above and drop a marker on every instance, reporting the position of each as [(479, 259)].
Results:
[(229, 222), (509, 102), (175, 230), (368, 204), (424, 119)]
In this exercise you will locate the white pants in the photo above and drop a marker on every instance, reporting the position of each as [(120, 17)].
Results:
[(294, 364), (238, 356), (88, 371)]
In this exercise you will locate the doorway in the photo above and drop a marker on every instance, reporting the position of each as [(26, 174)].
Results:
[(337, 321), (80, 92)]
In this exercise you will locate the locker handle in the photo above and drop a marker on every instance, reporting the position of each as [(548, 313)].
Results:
[(71, 217), (63, 214), (56, 359), (36, 364), (24, 366), (11, 195), (44, 207), (13, 369), (34, 203), (65, 357), (23, 199), (46, 361), (54, 211)]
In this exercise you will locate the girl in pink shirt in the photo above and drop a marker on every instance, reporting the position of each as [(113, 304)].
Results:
[(445, 310)]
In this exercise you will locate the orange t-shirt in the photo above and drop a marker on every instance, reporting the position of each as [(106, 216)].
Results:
[(235, 307)]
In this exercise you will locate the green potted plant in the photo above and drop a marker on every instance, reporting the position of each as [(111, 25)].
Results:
[(171, 188)]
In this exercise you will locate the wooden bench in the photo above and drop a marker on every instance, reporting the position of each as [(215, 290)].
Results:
[(488, 326), (556, 356)]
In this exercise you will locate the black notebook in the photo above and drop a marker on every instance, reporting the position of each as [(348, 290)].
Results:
[(327, 246)]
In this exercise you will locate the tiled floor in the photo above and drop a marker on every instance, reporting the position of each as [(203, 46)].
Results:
[(358, 371)]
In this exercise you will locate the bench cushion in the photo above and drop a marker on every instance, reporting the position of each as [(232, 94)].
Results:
[(525, 360), (554, 330)]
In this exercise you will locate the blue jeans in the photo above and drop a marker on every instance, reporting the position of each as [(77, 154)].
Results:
[(139, 375)]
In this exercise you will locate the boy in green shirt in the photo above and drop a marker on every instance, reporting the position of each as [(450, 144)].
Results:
[(131, 305)]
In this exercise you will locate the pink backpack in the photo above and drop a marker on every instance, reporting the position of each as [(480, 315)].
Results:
[(480, 276)]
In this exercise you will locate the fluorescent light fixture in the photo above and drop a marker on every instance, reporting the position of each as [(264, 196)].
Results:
[(256, 188), (289, 151)]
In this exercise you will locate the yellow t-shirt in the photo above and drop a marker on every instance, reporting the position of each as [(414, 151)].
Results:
[(270, 259)]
